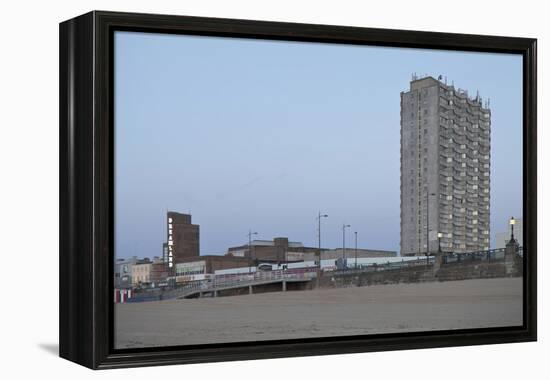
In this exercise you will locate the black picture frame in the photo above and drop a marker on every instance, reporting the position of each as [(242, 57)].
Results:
[(86, 189)]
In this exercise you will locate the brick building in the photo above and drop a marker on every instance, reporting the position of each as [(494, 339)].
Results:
[(277, 250), (159, 273), (199, 268), (182, 238)]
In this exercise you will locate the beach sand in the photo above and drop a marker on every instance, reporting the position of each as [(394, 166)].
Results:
[(318, 313)]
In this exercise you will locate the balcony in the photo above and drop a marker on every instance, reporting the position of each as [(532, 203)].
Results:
[(444, 104), (472, 136), (444, 143), (458, 220)]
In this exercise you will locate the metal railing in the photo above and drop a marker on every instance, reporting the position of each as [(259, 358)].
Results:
[(236, 280), (495, 254), (263, 276), (448, 257), (388, 266), (486, 255)]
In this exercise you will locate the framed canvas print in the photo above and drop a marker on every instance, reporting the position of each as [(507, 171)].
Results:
[(235, 189)]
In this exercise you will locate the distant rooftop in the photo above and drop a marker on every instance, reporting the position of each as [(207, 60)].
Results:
[(270, 243), (420, 81)]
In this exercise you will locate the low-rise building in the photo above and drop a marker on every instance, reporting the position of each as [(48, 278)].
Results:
[(141, 272), (123, 272), (159, 273), (352, 253), (202, 268), (279, 249)]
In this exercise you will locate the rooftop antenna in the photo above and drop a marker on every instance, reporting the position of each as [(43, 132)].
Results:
[(445, 80)]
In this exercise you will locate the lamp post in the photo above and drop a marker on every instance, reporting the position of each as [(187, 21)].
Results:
[(355, 250), (344, 226), (512, 222), (319, 230), (250, 233), (439, 236), (428, 226)]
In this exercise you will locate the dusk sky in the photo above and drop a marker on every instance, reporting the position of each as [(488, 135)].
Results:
[(254, 134)]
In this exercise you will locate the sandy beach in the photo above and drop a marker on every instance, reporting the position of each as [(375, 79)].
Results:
[(326, 312)]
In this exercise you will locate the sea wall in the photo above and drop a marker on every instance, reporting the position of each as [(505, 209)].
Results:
[(464, 270)]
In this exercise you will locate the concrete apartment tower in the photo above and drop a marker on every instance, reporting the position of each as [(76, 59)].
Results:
[(445, 169)]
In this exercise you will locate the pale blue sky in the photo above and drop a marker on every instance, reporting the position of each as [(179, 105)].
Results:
[(245, 133)]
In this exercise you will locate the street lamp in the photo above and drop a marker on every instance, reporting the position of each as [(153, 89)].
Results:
[(428, 226), (439, 236), (319, 230), (512, 222), (344, 226), (250, 233), (355, 250)]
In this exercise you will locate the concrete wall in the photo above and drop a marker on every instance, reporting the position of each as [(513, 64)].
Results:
[(465, 270), (472, 270)]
